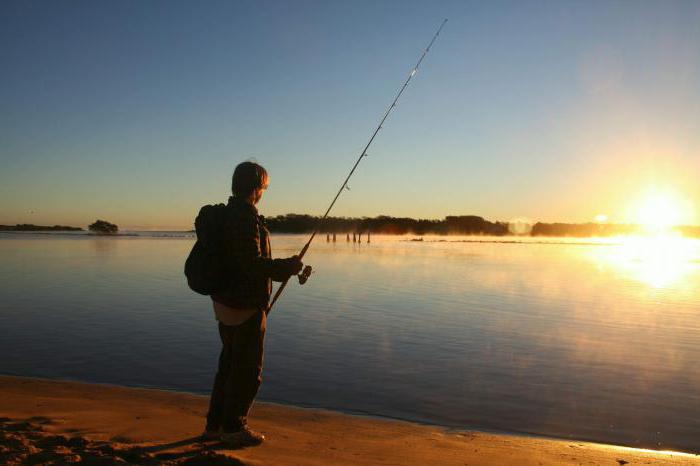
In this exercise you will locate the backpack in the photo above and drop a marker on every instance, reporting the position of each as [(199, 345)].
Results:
[(207, 268)]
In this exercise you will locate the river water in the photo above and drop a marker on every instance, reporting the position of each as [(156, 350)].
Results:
[(586, 339)]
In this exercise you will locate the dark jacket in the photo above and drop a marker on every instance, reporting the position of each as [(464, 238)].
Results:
[(248, 250)]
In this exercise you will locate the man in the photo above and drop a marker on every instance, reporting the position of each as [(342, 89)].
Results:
[(241, 309)]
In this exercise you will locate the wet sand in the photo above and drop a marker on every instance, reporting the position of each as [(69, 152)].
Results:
[(57, 422)]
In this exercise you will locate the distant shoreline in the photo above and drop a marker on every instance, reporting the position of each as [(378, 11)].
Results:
[(407, 238), (467, 225), (30, 227)]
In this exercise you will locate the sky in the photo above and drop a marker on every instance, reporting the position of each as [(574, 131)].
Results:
[(137, 112)]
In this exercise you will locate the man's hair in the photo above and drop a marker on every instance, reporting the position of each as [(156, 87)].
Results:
[(247, 177)]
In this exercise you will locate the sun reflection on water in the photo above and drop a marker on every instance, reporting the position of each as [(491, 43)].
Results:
[(660, 261)]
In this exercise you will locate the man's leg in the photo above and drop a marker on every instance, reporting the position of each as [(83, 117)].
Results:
[(245, 373), (218, 392)]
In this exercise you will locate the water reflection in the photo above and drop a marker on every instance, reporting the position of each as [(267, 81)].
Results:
[(597, 340), (103, 246), (664, 261)]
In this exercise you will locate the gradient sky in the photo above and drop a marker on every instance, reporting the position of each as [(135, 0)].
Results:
[(137, 112)]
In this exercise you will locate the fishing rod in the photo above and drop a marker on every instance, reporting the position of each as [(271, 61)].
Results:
[(304, 275)]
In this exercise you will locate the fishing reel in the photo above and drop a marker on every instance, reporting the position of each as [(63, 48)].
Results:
[(305, 274)]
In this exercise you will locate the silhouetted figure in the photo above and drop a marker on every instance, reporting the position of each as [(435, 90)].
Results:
[(347, 237), (328, 238), (354, 238), (368, 237), (241, 308), (334, 237), (359, 237)]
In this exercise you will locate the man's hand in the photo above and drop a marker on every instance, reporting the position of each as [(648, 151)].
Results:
[(285, 268), (294, 265)]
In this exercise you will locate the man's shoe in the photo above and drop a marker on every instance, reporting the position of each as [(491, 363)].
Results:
[(210, 435), (243, 438)]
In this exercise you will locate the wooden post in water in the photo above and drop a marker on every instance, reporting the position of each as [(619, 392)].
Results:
[(354, 238), (367, 236), (334, 237), (347, 238), (328, 238)]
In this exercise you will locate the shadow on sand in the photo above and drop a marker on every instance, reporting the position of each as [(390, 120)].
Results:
[(27, 442)]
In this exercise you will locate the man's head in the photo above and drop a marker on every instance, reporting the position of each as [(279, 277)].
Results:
[(249, 181)]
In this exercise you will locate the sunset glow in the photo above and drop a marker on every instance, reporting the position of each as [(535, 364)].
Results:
[(658, 210)]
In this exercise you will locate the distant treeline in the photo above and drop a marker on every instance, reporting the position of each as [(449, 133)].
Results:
[(583, 230), (452, 225), (689, 232), (295, 223), (455, 225), (464, 225), (30, 227)]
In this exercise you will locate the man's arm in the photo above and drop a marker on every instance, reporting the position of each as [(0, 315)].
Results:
[(247, 256)]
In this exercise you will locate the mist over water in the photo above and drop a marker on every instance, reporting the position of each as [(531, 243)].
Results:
[(582, 339)]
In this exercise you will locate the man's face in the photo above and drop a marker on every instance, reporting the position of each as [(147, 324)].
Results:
[(257, 195)]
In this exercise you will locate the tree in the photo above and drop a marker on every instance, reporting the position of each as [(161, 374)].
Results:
[(103, 227)]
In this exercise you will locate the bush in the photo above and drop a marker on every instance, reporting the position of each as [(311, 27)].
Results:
[(103, 227)]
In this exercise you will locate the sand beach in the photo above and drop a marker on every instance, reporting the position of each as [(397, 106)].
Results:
[(60, 422)]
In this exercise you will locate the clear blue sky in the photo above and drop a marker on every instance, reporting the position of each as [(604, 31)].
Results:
[(137, 112)]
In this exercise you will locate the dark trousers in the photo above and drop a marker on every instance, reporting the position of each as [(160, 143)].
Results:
[(239, 375)]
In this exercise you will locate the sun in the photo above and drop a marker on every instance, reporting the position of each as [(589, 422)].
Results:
[(659, 210)]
